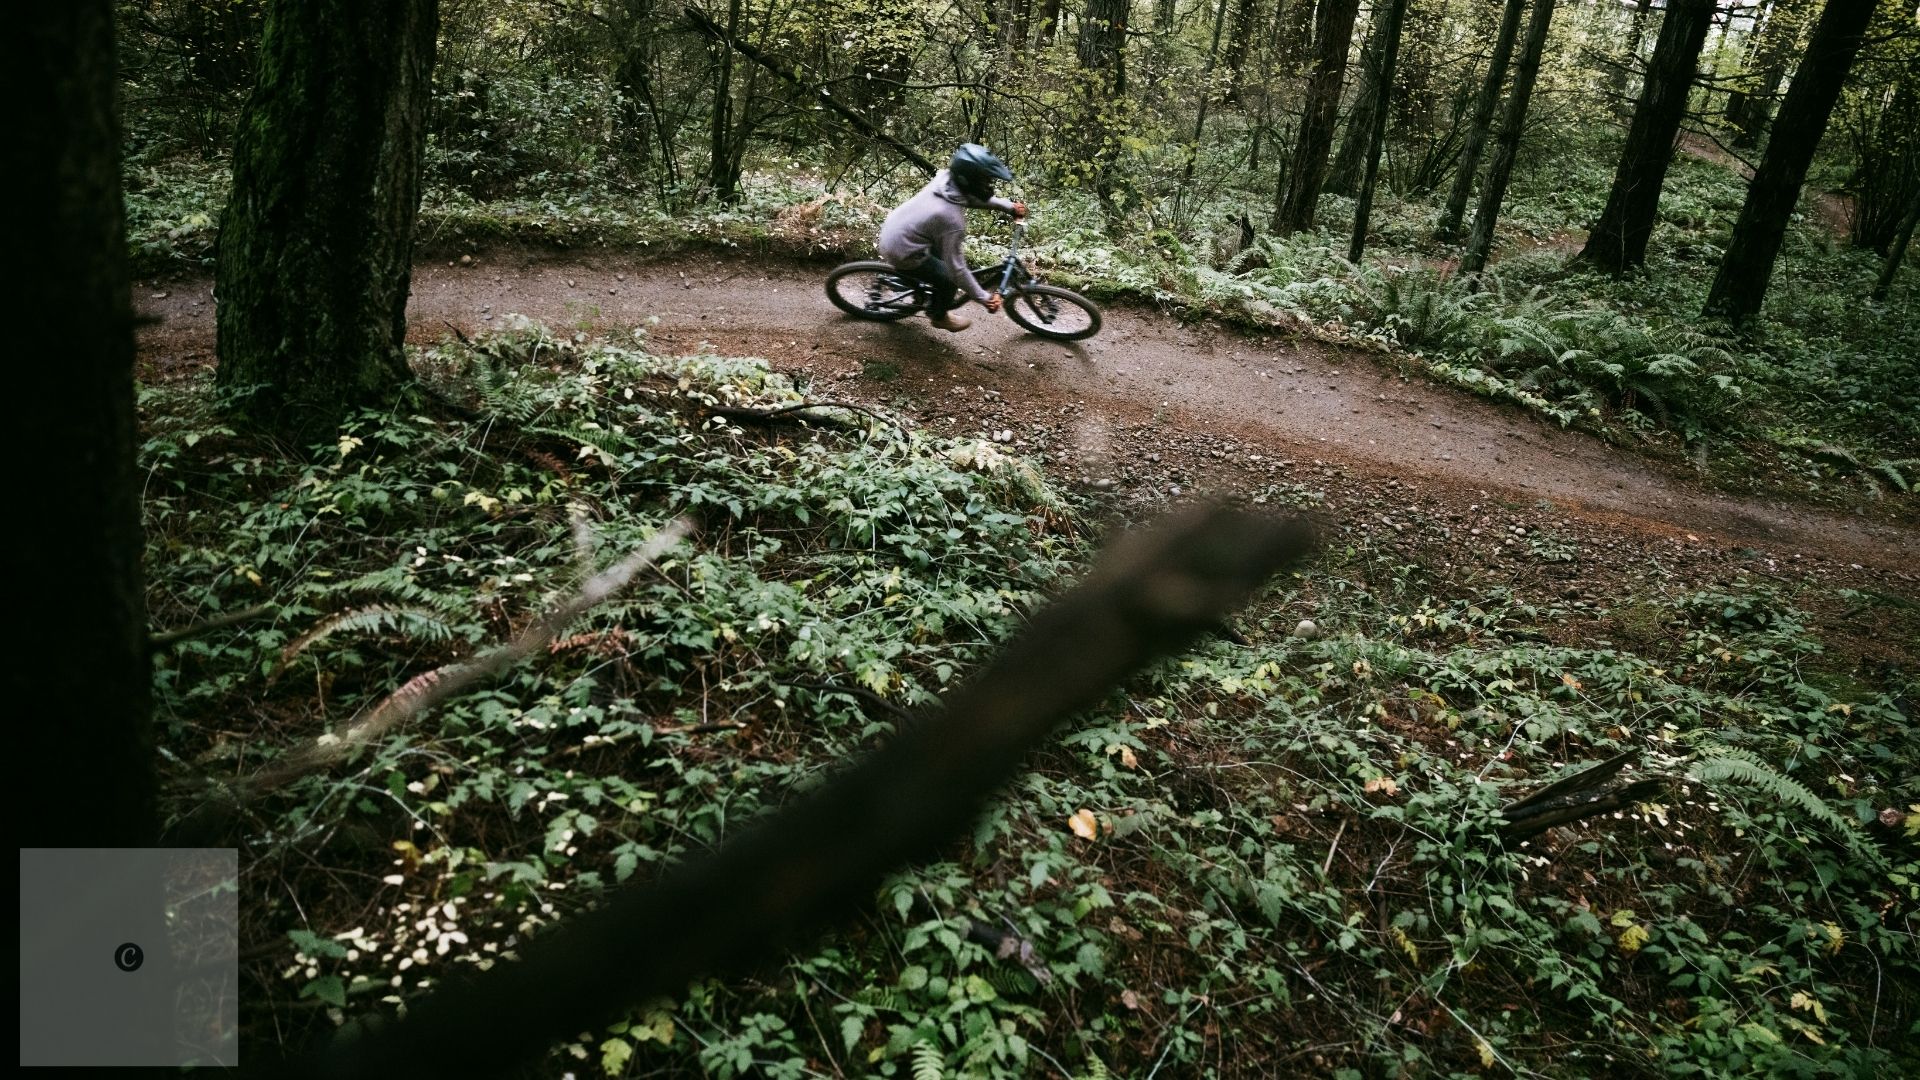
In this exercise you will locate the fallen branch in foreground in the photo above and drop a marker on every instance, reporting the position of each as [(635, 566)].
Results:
[(428, 689), (821, 859)]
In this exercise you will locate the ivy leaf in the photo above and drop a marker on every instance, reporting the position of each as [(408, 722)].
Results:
[(327, 988), (614, 1055)]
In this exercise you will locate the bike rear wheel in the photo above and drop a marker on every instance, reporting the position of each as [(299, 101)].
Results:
[(1060, 314), (874, 290)]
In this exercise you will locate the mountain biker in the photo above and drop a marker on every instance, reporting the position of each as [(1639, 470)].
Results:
[(924, 236)]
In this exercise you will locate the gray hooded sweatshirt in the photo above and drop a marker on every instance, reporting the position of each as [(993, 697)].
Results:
[(935, 222)]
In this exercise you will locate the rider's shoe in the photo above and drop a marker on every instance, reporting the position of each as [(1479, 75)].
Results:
[(950, 322)]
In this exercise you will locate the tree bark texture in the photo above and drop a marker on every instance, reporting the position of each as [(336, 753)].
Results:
[(1617, 242), (316, 245), (78, 677), (1293, 29), (1747, 266), (1896, 252), (1391, 22), (1482, 123), (1239, 42), (1296, 201), (1102, 45), (1370, 97), (1507, 147), (1750, 106)]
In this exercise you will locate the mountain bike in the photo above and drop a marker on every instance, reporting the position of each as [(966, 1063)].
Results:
[(875, 290)]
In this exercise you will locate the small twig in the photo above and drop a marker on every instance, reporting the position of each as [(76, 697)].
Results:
[(169, 638), (1327, 866), (457, 332)]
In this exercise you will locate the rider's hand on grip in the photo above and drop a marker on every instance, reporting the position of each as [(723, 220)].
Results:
[(993, 303), (1019, 211)]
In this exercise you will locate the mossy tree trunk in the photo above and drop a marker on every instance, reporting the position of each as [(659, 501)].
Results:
[(316, 244), (78, 675), (1618, 241), (1747, 266)]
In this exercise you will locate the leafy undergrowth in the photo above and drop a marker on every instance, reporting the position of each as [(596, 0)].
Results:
[(1270, 858)]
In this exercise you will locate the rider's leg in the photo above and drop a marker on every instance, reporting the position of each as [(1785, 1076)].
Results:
[(935, 274)]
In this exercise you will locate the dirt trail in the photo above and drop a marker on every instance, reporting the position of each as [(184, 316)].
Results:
[(1147, 383)]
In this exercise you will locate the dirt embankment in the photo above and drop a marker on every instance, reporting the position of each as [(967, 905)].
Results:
[(1148, 408)]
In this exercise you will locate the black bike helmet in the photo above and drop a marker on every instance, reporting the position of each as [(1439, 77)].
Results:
[(974, 169)]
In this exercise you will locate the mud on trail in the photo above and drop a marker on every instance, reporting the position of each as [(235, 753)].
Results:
[(1150, 408)]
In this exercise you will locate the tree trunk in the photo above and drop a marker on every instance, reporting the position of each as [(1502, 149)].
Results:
[(1239, 40), (1618, 241), (722, 178), (1165, 12), (1478, 128), (642, 122), (1737, 95), (1391, 22), (1049, 22), (1751, 105), (1896, 251), (1351, 161), (78, 677), (1623, 75), (1295, 204), (1512, 122), (1294, 30), (1745, 270), (1102, 52), (316, 245)]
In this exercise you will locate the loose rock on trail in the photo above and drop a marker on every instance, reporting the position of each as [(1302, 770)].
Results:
[(1150, 408)]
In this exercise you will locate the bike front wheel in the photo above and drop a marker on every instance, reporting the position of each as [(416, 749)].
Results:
[(1060, 314), (874, 290)]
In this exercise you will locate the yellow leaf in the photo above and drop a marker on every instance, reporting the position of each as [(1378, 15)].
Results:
[(1486, 1052), (1836, 937), (1570, 680), (1632, 938), (1406, 944), (1128, 759), (1840, 707), (1084, 825)]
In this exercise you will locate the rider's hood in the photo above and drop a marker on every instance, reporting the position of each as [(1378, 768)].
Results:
[(944, 186)]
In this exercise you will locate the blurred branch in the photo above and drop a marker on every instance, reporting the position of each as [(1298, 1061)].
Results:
[(821, 858)]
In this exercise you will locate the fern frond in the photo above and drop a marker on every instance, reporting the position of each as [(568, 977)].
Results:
[(410, 622), (1724, 764), (928, 1062)]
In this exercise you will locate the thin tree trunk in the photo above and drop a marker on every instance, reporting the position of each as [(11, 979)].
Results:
[(1296, 202), (1747, 266), (1049, 22), (1351, 161), (1477, 129), (1623, 75), (1206, 97), (316, 245), (1896, 251), (722, 181), (1377, 133), (77, 677), (1751, 106), (1507, 147), (1618, 241), (1239, 41), (1165, 12), (1737, 96), (1294, 31)]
